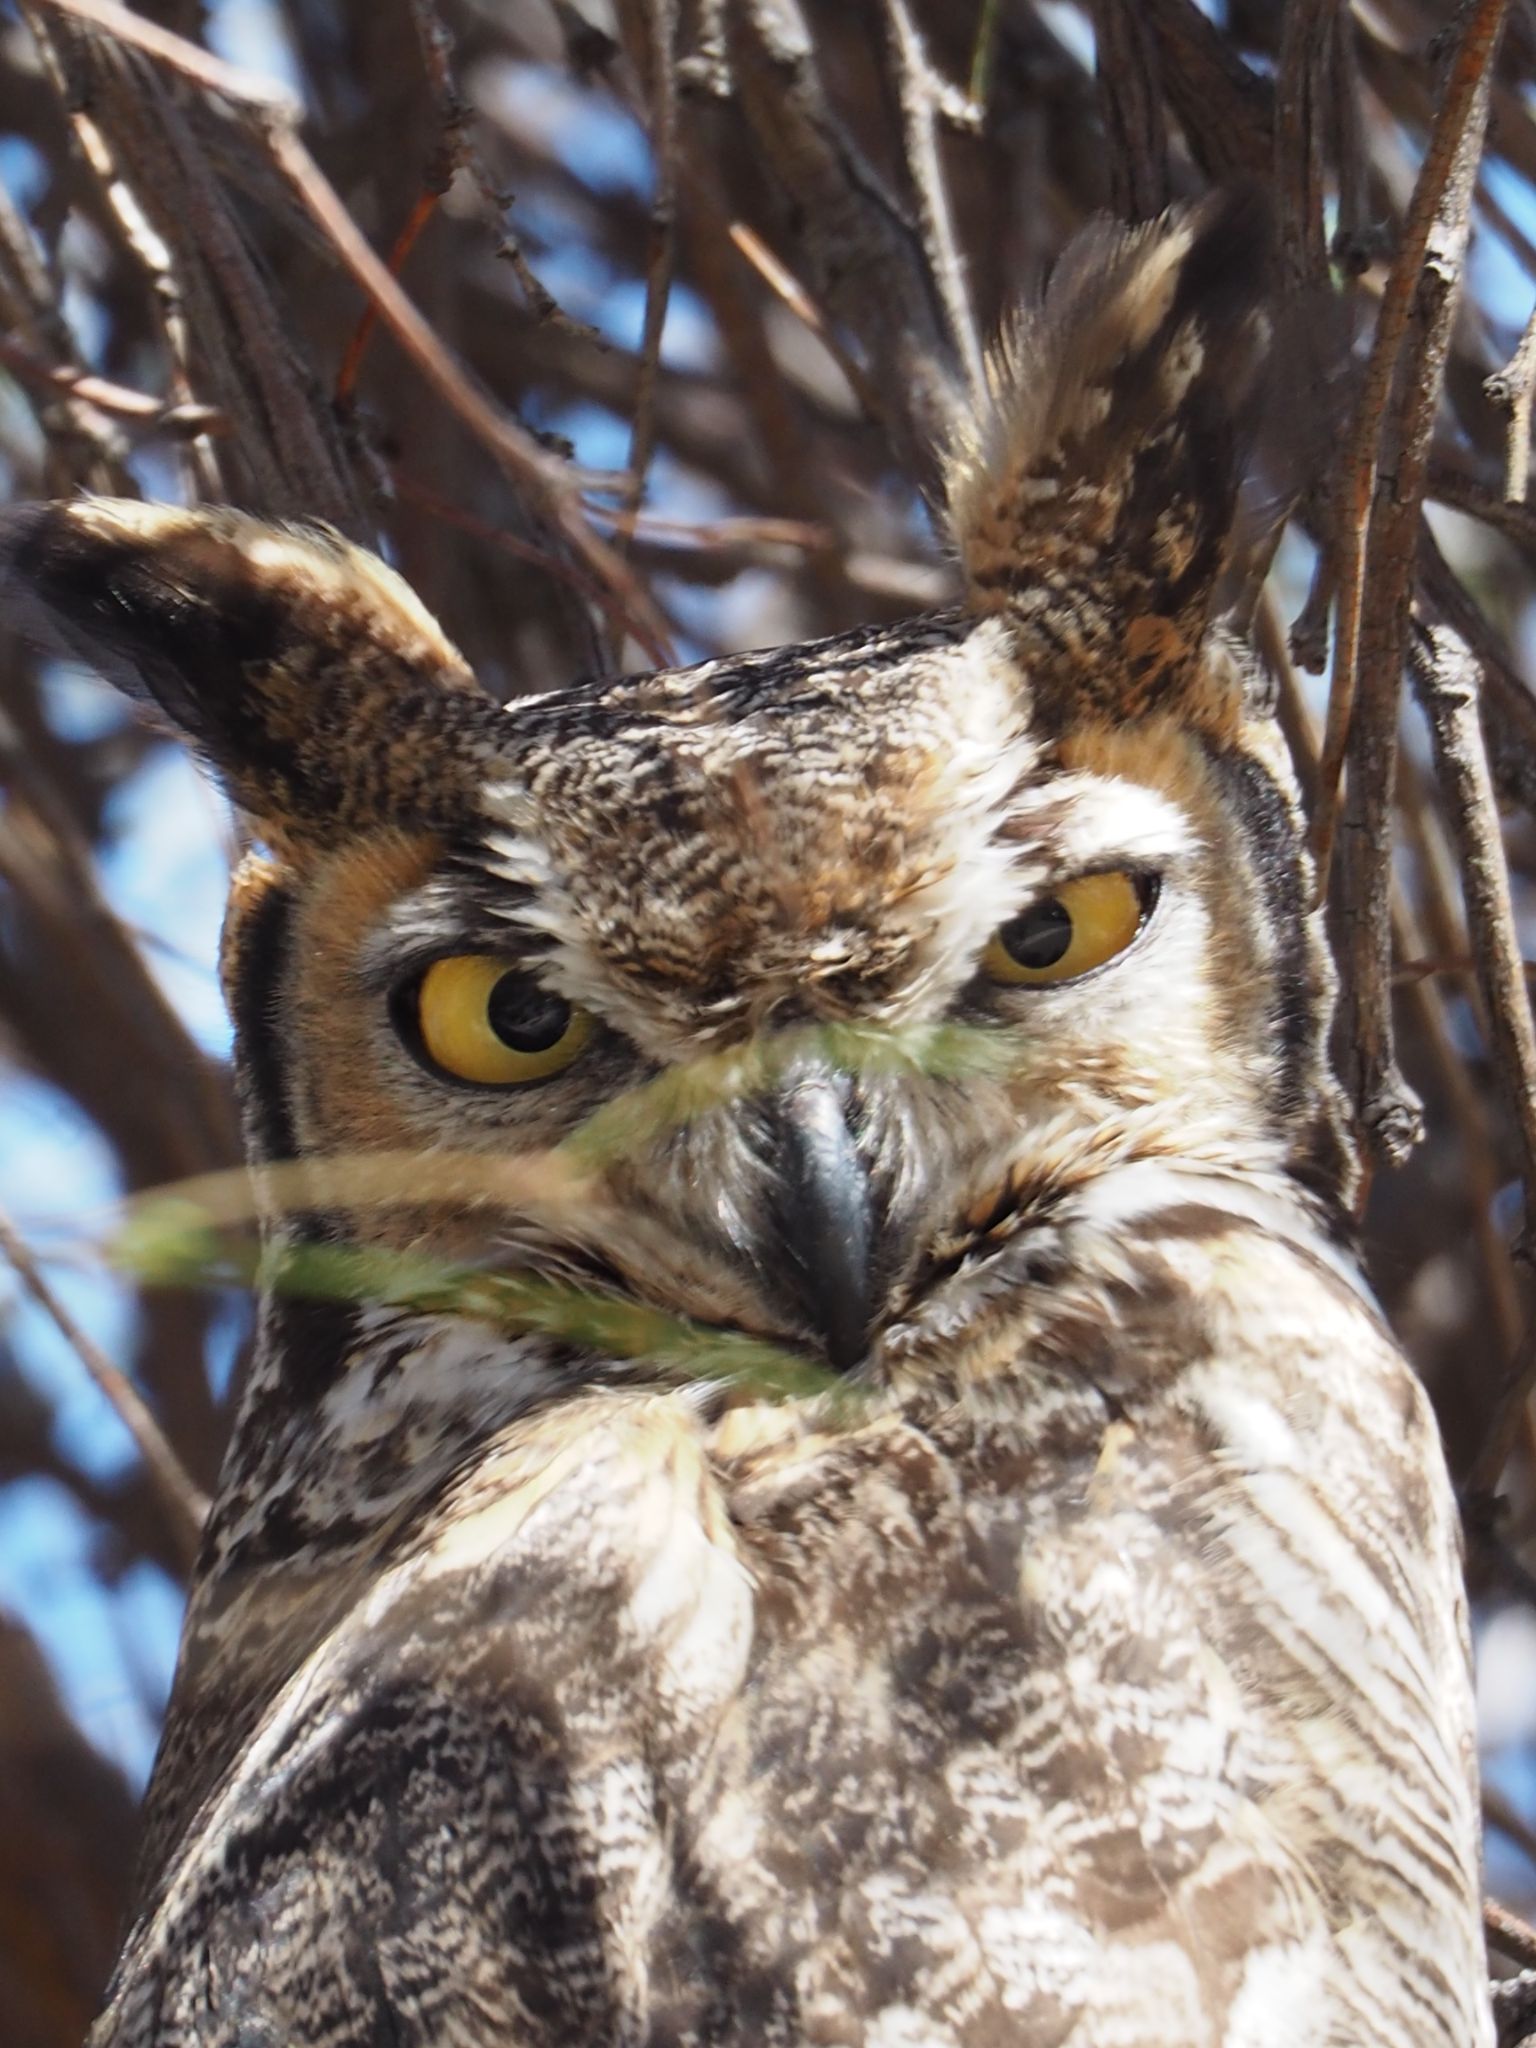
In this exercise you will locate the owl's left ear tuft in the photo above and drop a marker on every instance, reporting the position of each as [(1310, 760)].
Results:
[(1094, 502), (303, 670)]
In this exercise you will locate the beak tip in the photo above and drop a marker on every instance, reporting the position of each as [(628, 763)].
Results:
[(826, 1220)]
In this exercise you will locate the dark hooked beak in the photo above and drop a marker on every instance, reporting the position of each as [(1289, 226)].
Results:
[(825, 1212)]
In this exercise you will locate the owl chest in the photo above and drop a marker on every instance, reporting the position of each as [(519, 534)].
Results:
[(1017, 1740), (990, 1666)]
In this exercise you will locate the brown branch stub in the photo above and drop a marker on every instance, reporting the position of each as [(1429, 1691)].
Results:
[(1509, 1934), (1512, 389)]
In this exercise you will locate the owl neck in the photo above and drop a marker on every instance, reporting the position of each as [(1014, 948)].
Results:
[(352, 1412)]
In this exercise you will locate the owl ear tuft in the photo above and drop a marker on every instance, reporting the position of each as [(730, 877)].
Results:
[(1094, 502), (300, 667)]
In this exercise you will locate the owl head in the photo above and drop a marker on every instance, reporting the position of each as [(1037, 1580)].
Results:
[(825, 994)]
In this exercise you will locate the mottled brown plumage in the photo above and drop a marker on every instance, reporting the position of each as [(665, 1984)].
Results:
[(1084, 1665)]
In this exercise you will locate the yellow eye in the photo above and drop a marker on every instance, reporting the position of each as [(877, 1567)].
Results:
[(1084, 924), (484, 1021)]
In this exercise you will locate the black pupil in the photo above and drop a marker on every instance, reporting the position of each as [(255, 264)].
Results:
[(1039, 936), (526, 1017)]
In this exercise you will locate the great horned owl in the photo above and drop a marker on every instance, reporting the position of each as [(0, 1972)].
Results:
[(1067, 1648)]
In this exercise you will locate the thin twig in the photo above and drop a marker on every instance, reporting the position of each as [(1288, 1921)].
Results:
[(413, 492), (357, 347), (660, 256), (1509, 709), (460, 152), (183, 1505), (1449, 685), (1430, 922), (545, 477), (1426, 968), (920, 95), (786, 286), (83, 445), (864, 255), (1514, 517), (746, 530), (1309, 632)]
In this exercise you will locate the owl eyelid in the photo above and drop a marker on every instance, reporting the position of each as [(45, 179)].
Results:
[(1149, 882), (401, 967), (1144, 872)]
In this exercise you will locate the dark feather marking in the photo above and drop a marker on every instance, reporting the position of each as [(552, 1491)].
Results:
[(254, 991), (1270, 825)]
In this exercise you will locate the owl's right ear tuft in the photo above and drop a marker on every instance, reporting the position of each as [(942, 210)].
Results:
[(1094, 500), (300, 667)]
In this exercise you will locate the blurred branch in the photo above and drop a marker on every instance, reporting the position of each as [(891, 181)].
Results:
[(66, 1844), (1307, 54), (141, 407), (154, 257), (1131, 103), (81, 442), (183, 1505), (660, 17)]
